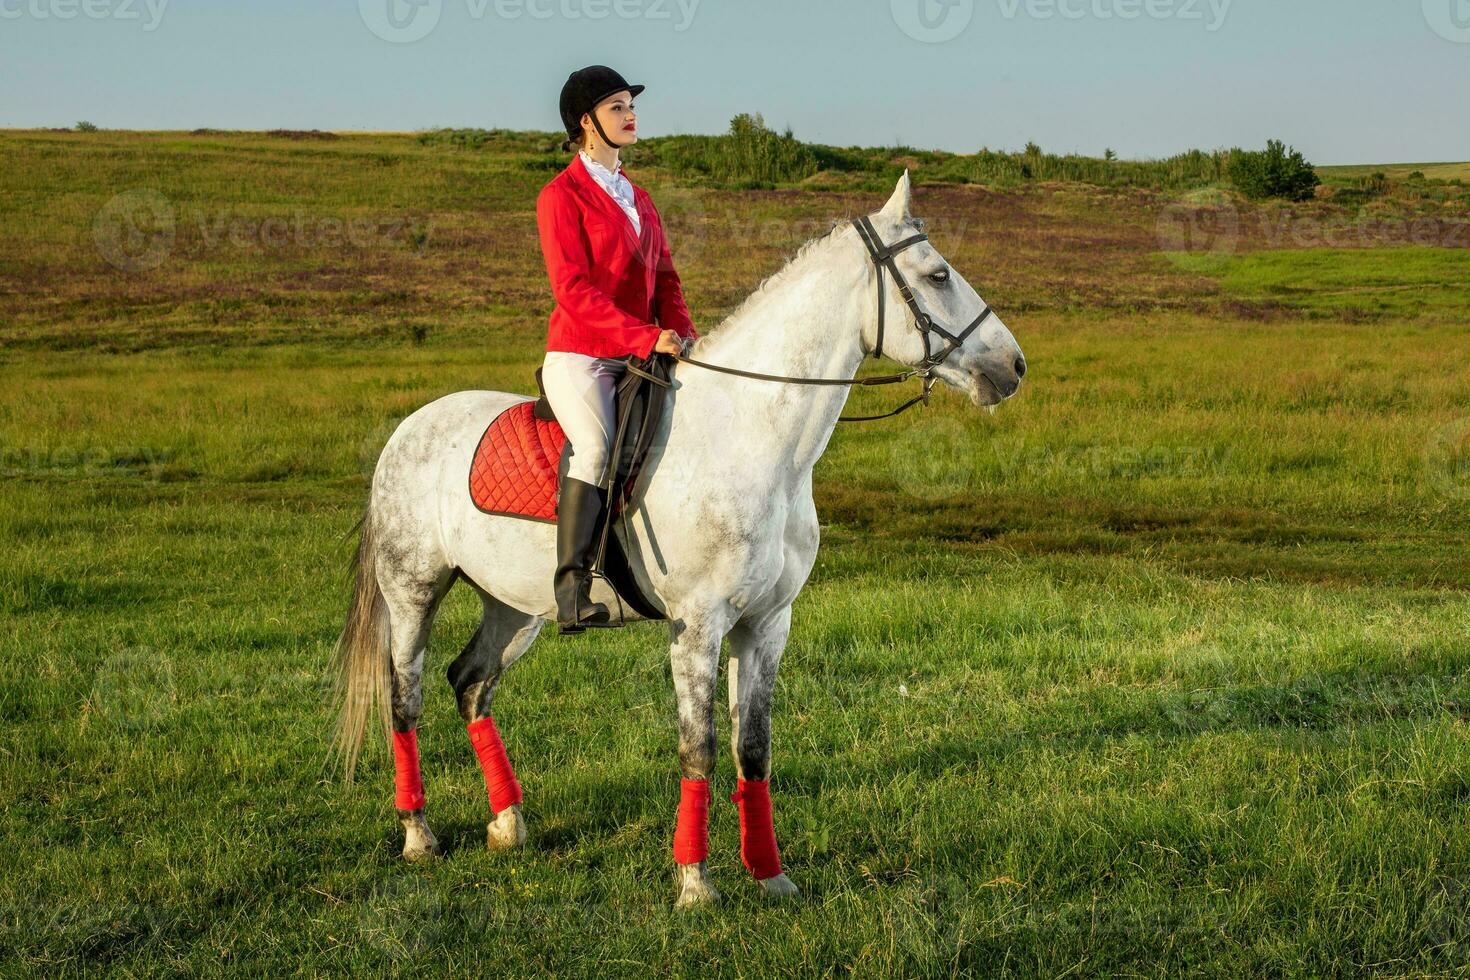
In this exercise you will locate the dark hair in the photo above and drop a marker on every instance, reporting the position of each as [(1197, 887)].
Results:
[(575, 141)]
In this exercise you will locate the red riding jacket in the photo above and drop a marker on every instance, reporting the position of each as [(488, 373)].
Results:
[(614, 290)]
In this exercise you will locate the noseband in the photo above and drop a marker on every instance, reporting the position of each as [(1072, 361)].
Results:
[(883, 257)]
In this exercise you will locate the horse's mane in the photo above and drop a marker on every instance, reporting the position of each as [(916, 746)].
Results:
[(780, 276)]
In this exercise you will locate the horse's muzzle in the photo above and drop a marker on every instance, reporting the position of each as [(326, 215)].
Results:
[(997, 376)]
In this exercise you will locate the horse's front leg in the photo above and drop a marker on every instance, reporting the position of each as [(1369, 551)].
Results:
[(755, 654), (695, 661)]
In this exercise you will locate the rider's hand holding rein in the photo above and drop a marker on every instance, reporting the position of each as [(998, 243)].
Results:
[(670, 342)]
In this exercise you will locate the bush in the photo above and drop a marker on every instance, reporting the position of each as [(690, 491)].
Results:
[(86, 127), (998, 168), (754, 154), (750, 155), (1275, 172)]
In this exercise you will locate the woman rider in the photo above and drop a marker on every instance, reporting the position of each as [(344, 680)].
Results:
[(617, 296)]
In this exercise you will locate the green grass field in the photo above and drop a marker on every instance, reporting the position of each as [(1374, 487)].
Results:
[(1163, 669)]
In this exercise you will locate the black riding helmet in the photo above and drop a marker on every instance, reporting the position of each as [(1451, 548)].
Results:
[(584, 89)]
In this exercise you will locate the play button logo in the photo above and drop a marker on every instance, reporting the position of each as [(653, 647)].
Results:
[(400, 21), (1450, 19), (932, 21)]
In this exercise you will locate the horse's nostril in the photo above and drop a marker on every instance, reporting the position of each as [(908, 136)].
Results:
[(1020, 367)]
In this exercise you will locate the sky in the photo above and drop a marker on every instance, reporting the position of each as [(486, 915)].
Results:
[(1345, 81)]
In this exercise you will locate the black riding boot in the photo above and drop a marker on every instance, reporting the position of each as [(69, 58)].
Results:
[(577, 527)]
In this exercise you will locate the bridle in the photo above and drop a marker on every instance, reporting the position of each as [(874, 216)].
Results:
[(882, 257)]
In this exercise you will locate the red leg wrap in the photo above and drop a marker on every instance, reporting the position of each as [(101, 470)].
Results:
[(691, 834), (408, 784), (500, 778), (757, 833)]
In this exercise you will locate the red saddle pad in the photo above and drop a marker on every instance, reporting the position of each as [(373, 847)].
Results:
[(514, 469)]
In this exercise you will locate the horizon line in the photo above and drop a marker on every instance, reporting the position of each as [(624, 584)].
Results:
[(212, 130)]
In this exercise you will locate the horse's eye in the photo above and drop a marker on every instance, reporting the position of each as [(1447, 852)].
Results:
[(941, 276)]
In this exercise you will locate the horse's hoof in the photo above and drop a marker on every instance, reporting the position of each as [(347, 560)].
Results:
[(695, 888), (423, 852), (779, 887), (419, 842), (507, 830)]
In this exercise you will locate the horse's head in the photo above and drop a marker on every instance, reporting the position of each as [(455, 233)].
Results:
[(988, 364)]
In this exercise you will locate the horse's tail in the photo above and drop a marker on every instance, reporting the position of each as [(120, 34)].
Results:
[(362, 659)]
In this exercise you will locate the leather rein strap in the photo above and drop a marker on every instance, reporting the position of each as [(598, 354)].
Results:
[(882, 256)]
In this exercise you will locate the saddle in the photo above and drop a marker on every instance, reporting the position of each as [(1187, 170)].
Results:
[(523, 456)]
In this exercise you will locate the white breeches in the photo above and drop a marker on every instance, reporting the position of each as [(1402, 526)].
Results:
[(580, 389)]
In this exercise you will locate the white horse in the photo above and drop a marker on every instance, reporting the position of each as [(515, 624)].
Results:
[(722, 529)]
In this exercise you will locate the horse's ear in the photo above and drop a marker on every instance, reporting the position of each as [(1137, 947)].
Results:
[(897, 208)]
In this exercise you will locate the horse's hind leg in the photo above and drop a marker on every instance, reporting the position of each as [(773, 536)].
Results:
[(504, 635), (411, 607)]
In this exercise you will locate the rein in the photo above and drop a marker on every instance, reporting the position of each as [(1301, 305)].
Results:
[(883, 257)]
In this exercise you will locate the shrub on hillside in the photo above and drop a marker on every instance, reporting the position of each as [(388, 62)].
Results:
[(1276, 171), (1192, 169), (749, 155), (753, 152)]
